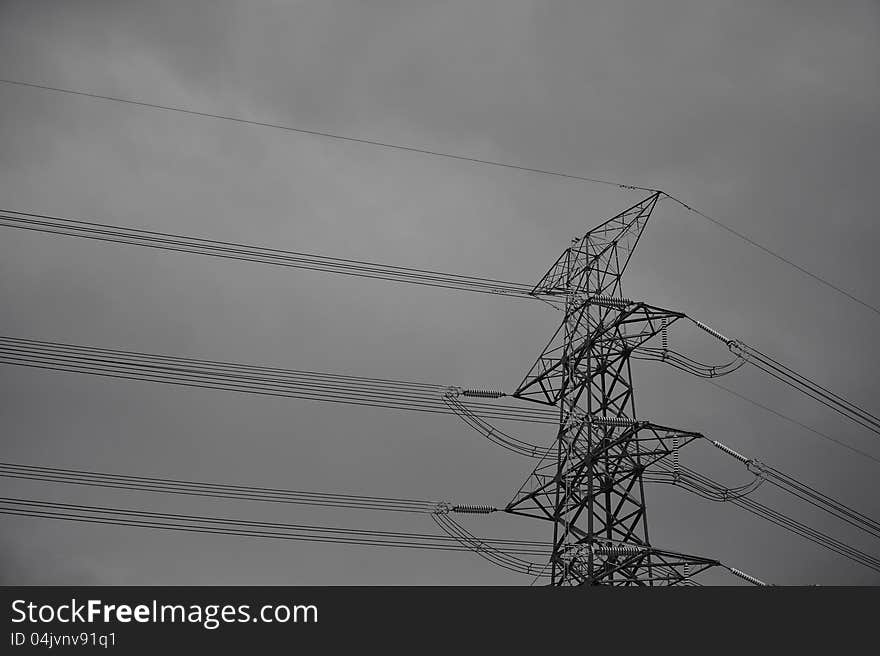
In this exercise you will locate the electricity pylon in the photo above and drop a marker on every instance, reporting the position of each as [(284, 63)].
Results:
[(589, 483)]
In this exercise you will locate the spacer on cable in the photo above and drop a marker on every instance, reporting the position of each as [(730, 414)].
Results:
[(737, 348), (756, 467), (452, 392)]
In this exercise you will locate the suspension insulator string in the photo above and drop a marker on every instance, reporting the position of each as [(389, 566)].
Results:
[(676, 469), (614, 421), (617, 549), (711, 331), (483, 394), (474, 510), (745, 577), (609, 301), (664, 339), (731, 452)]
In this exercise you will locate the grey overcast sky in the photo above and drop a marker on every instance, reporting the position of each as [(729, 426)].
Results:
[(763, 114)]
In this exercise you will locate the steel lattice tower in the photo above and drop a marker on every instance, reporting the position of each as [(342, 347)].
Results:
[(589, 483)]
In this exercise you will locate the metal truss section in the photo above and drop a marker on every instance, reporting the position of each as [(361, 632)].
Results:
[(619, 565), (590, 485), (602, 254), (588, 330), (596, 472)]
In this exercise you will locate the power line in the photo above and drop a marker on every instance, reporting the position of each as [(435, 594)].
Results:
[(635, 566), (216, 490), (499, 552), (813, 390), (824, 436), (438, 510), (230, 250), (251, 379), (709, 372), (763, 472), (785, 374), (251, 528), (776, 255), (329, 135), (495, 556), (486, 549), (54, 225), (822, 501), (447, 155), (705, 487)]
